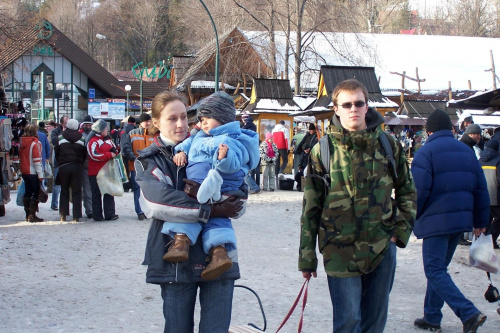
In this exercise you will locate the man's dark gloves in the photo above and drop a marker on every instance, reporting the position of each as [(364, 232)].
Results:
[(113, 150), (191, 187), (227, 208)]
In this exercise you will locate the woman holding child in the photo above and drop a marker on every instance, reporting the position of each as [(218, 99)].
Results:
[(166, 196)]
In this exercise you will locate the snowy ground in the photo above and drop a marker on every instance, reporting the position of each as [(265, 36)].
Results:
[(87, 276)]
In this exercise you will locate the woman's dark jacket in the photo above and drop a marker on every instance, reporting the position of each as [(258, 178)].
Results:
[(163, 199), (70, 148)]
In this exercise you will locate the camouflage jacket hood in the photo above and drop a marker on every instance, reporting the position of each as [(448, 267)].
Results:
[(355, 219)]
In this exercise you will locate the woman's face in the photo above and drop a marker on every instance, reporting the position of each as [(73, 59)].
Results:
[(105, 131), (173, 121)]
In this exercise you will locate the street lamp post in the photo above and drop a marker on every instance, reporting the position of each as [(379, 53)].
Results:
[(99, 36), (127, 89), (217, 49)]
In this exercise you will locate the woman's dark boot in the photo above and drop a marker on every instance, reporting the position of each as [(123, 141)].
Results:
[(26, 203), (2, 210), (32, 211), (219, 263)]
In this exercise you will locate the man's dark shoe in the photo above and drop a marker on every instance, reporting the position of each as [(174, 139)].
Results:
[(98, 219), (54, 208), (141, 216), (422, 324), (112, 218), (464, 241), (471, 325)]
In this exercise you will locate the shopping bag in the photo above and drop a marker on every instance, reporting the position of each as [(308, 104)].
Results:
[(20, 194), (43, 196), (47, 173), (482, 254), (109, 179), (121, 167)]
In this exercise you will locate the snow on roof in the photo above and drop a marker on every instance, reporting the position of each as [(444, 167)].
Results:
[(386, 103), (304, 101), (439, 58), (272, 104), (208, 84)]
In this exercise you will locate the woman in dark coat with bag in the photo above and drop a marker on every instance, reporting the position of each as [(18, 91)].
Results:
[(101, 149), (70, 152), (166, 197)]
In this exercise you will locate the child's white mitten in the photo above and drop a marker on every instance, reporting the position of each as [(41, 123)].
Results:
[(210, 188)]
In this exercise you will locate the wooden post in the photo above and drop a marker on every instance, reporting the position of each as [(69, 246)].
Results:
[(244, 84), (222, 86), (190, 94), (418, 80), (493, 70), (237, 90), (470, 85), (378, 80), (258, 72), (450, 94), (403, 87)]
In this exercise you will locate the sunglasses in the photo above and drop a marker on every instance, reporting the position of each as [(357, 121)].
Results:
[(348, 106)]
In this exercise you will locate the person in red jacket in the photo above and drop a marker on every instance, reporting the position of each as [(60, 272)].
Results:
[(101, 149), (30, 156)]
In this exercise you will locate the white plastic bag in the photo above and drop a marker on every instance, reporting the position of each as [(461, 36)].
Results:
[(110, 180), (482, 254)]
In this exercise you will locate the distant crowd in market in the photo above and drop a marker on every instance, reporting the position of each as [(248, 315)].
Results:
[(66, 160)]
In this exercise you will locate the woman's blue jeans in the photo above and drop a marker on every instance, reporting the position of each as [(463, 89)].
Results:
[(216, 299), (360, 304), (437, 253)]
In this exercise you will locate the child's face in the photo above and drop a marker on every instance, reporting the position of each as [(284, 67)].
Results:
[(208, 123)]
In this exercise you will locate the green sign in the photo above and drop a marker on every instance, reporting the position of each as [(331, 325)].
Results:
[(163, 68), (43, 50), (44, 30)]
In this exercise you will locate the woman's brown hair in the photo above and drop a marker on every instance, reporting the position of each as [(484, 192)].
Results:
[(160, 101), (31, 130)]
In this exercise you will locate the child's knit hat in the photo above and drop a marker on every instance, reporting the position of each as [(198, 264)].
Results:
[(269, 135), (219, 106)]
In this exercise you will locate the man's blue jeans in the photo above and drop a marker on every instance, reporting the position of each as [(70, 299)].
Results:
[(437, 253), (56, 189), (137, 193), (179, 299), (360, 303), (254, 187)]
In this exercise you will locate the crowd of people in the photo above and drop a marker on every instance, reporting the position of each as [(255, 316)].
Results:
[(66, 158), (361, 201)]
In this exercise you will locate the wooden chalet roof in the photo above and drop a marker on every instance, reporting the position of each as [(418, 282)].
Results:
[(79, 58), (271, 95), (330, 76), (236, 57), (489, 100), (422, 109)]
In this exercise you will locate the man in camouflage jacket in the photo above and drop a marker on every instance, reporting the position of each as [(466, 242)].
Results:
[(356, 222)]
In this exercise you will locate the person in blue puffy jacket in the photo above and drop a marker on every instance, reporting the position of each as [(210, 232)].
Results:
[(219, 155)]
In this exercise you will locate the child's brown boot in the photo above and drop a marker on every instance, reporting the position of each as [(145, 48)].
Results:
[(179, 251), (219, 263)]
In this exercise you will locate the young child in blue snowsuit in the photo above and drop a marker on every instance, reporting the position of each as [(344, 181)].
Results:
[(219, 156)]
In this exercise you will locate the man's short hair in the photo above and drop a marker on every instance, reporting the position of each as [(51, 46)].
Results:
[(349, 85), (61, 120)]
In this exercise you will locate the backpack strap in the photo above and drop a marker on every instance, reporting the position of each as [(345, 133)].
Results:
[(389, 154), (324, 146)]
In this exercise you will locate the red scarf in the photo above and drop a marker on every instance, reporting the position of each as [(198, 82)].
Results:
[(270, 150)]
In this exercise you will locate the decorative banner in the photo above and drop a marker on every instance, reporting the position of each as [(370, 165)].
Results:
[(44, 30)]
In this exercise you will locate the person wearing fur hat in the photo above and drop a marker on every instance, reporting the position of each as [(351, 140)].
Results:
[(268, 157), (446, 208), (131, 143), (100, 148), (220, 155), (70, 153)]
